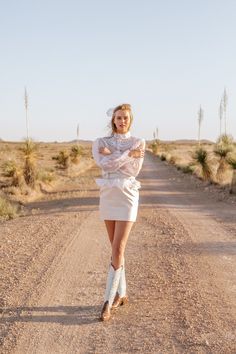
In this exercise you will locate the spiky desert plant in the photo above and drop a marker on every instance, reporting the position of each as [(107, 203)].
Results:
[(63, 159), (222, 152), (28, 151), (225, 139), (76, 152), (200, 158)]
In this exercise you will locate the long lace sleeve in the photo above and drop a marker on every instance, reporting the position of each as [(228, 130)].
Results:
[(134, 166), (109, 163)]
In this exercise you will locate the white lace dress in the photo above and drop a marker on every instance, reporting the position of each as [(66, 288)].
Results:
[(119, 189)]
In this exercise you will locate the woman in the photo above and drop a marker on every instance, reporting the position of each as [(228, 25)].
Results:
[(120, 157)]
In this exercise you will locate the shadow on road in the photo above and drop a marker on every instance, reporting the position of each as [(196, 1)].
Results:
[(66, 315)]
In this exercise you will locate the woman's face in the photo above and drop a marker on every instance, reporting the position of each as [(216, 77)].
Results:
[(122, 121)]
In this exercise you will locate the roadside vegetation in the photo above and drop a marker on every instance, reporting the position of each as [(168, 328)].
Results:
[(28, 169), (212, 162)]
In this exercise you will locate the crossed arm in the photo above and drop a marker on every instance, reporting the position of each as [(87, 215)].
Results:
[(111, 162), (136, 153)]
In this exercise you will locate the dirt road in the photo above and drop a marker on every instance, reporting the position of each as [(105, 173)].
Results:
[(180, 264)]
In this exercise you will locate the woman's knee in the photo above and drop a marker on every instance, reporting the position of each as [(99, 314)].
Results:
[(118, 249)]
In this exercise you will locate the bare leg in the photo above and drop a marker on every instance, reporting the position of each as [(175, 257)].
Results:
[(118, 232), (110, 226), (121, 234)]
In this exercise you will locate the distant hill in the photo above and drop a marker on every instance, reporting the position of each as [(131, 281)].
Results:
[(80, 141), (184, 141)]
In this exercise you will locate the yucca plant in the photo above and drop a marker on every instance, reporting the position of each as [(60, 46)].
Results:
[(76, 152), (225, 139), (200, 158), (28, 151), (222, 151)]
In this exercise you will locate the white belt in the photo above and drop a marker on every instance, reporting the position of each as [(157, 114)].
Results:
[(114, 175)]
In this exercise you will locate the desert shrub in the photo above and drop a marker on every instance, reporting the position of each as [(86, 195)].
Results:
[(45, 176), (155, 147), (200, 158), (166, 147), (163, 157), (173, 160), (186, 168), (14, 171), (63, 159), (9, 167), (76, 152), (7, 210)]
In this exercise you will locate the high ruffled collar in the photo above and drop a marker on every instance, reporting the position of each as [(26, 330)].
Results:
[(122, 135)]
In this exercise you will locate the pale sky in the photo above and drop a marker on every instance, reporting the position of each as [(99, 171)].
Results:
[(79, 58)]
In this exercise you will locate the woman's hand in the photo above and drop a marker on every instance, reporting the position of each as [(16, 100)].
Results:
[(104, 151), (139, 152)]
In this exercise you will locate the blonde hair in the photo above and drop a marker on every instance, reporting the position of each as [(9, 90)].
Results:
[(123, 107)]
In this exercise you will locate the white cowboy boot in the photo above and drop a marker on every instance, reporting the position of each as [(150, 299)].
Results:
[(121, 298), (112, 284), (122, 283)]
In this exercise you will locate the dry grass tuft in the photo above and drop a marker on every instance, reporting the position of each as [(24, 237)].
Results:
[(7, 210)]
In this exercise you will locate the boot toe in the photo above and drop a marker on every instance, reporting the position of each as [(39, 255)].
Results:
[(106, 312)]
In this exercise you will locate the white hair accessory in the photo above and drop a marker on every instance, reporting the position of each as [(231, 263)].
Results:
[(110, 112)]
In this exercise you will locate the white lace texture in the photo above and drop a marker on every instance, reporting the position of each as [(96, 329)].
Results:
[(118, 168)]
